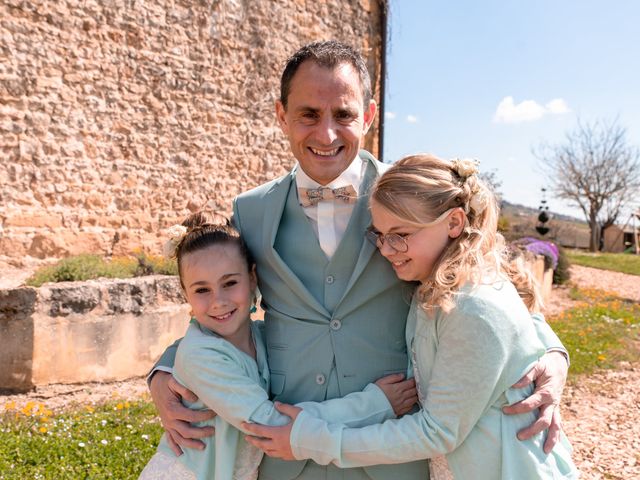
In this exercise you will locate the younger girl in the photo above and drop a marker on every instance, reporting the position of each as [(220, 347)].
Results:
[(469, 334), (222, 359)]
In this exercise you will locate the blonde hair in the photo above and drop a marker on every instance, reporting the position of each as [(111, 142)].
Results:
[(420, 188)]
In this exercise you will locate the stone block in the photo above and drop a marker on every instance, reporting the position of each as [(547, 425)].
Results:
[(47, 246), (67, 299), (33, 220), (84, 340)]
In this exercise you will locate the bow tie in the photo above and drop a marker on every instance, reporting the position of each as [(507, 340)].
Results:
[(311, 196)]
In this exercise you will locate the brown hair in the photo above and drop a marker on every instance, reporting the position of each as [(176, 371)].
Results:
[(420, 188), (328, 54), (203, 232)]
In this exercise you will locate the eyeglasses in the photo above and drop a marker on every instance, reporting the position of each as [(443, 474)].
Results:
[(398, 241)]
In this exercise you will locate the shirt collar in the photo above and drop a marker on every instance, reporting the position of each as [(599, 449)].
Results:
[(352, 175)]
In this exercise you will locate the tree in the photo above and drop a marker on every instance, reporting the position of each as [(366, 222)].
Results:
[(490, 177), (596, 170)]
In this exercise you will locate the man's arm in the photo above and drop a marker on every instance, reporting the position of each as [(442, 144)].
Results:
[(549, 376), (215, 373), (166, 360)]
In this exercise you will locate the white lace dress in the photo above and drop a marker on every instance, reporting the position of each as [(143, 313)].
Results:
[(164, 466), (438, 466)]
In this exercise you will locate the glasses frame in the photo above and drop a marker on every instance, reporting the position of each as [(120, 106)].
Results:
[(400, 239), (379, 239)]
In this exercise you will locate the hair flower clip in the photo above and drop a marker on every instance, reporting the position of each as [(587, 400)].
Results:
[(465, 167), (478, 201), (175, 233)]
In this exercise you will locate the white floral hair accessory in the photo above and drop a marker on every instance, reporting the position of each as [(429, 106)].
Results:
[(465, 167), (175, 233), (478, 201)]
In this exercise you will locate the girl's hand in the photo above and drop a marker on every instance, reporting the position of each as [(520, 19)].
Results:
[(274, 441), (402, 394)]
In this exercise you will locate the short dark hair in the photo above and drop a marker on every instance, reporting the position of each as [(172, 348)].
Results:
[(329, 54), (202, 232)]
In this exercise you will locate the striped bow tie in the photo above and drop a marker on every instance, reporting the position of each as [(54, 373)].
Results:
[(311, 196)]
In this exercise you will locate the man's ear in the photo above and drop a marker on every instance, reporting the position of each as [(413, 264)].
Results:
[(369, 115), (281, 115), (457, 220)]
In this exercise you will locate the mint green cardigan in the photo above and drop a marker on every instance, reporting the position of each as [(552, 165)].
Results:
[(466, 362)]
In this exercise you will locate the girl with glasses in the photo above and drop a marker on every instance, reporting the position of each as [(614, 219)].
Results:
[(469, 334)]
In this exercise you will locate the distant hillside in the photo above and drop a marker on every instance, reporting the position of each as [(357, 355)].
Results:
[(520, 221), (509, 209)]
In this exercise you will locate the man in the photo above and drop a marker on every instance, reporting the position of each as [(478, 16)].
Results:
[(334, 309)]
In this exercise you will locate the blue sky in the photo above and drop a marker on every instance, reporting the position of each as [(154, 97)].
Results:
[(492, 79)]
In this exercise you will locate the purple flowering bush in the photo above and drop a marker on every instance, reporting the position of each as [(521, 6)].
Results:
[(554, 257)]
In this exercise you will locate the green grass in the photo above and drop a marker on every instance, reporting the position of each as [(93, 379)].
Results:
[(618, 262), (599, 332), (87, 267), (112, 441)]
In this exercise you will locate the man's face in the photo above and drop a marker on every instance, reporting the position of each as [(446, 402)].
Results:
[(325, 120)]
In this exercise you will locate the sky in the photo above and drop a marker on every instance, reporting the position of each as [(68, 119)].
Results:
[(494, 79)]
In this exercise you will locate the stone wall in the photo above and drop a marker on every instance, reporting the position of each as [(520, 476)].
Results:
[(87, 331), (119, 117)]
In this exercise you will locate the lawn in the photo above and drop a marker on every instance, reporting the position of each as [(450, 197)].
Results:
[(112, 441), (600, 331), (618, 262)]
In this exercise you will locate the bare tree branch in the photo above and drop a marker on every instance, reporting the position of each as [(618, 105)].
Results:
[(596, 170)]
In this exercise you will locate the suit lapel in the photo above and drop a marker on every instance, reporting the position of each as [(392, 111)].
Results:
[(364, 219), (276, 200)]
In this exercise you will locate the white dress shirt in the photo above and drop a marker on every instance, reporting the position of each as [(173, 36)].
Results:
[(330, 218)]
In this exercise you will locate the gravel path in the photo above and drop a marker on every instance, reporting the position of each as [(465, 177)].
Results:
[(624, 285), (601, 414)]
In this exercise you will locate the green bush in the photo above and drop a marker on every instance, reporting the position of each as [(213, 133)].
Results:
[(561, 274), (87, 267)]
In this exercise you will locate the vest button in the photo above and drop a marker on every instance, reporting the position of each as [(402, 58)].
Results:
[(335, 324), (320, 379), (330, 279)]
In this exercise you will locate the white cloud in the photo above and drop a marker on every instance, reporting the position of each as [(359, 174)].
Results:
[(528, 110), (557, 106), (390, 115), (412, 119)]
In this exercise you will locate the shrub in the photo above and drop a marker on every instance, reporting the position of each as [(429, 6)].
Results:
[(561, 274), (540, 247), (504, 225), (87, 267), (554, 256)]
